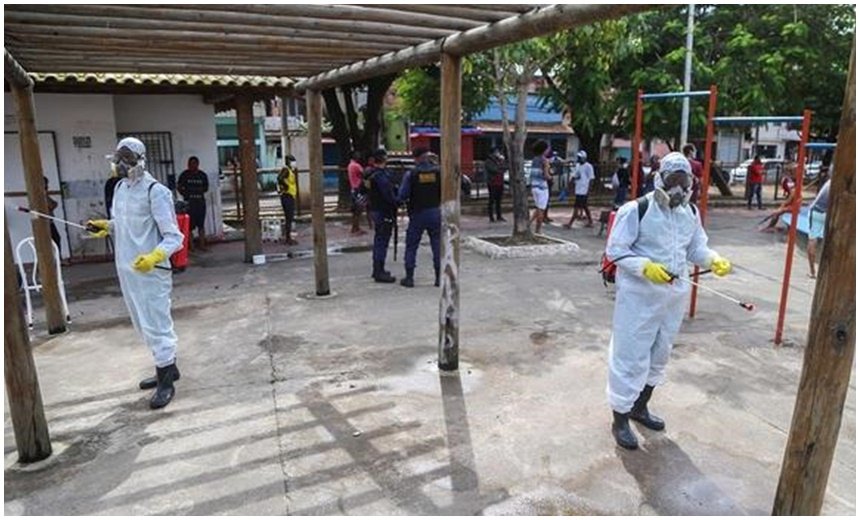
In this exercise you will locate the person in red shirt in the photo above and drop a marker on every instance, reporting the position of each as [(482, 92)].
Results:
[(355, 172), (755, 177), (696, 166)]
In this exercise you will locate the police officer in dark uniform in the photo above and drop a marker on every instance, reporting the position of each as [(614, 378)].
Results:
[(422, 191), (383, 211)]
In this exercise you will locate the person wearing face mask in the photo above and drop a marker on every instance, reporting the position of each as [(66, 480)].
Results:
[(582, 177), (650, 252), (145, 233)]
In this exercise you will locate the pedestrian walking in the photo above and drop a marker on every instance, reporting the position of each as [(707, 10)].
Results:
[(582, 176), (539, 176)]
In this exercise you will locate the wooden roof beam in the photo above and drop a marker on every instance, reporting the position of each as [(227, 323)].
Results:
[(462, 11), (251, 26), (226, 35), (14, 73), (114, 50), (62, 43), (262, 18), (534, 23), (378, 13)]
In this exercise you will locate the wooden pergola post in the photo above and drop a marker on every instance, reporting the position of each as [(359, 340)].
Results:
[(22, 383), (829, 355), (449, 303), (247, 159), (315, 161), (38, 200)]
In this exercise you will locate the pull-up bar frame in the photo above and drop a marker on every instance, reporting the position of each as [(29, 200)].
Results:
[(641, 97), (755, 120), (676, 95), (805, 121)]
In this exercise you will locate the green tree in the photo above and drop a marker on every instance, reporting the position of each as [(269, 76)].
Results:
[(355, 128), (582, 78), (418, 90), (764, 59)]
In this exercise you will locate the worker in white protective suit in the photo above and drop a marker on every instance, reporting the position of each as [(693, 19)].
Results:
[(145, 234), (650, 252)]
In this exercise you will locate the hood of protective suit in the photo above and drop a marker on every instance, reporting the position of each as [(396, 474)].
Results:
[(131, 165), (673, 185)]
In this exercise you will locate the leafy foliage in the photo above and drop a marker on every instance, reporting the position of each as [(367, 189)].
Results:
[(419, 90), (764, 59)]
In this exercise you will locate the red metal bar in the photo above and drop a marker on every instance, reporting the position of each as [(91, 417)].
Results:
[(706, 182), (792, 231), (637, 139)]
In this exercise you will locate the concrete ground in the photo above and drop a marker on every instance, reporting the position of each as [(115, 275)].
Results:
[(296, 405)]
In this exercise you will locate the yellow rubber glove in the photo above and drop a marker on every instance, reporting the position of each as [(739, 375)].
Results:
[(98, 228), (146, 263), (656, 273), (721, 266)]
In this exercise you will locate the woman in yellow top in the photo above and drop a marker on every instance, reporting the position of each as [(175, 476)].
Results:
[(287, 190)]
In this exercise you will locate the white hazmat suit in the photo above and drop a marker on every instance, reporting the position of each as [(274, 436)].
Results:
[(648, 315), (144, 219)]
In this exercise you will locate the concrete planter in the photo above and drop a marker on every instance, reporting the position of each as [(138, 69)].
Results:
[(487, 248)]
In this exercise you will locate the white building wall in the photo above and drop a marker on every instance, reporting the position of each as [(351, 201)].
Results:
[(191, 123), (83, 171)]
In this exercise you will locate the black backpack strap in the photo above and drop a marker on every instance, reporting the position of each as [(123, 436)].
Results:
[(643, 206), (695, 209)]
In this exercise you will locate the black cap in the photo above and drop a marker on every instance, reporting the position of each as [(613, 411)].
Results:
[(418, 152), (379, 154)]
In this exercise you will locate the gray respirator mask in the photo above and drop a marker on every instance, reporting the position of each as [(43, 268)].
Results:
[(675, 189), (127, 164)]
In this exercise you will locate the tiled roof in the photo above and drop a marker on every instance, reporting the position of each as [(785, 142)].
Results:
[(162, 79)]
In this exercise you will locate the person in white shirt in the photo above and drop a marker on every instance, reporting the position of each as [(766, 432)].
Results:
[(582, 177)]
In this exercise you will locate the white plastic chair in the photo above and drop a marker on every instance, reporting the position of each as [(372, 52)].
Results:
[(32, 284)]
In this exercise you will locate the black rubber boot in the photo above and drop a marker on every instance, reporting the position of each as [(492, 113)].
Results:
[(381, 275), (152, 382), (408, 281), (436, 283), (624, 436), (164, 392), (640, 413)]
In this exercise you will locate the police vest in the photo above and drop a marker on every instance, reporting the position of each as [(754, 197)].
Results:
[(426, 188)]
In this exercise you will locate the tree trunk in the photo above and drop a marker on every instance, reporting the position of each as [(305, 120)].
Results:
[(343, 139), (518, 181)]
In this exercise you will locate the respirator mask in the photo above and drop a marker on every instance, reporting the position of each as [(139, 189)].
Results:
[(127, 164), (673, 185)]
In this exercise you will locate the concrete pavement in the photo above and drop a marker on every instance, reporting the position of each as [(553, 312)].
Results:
[(295, 405)]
